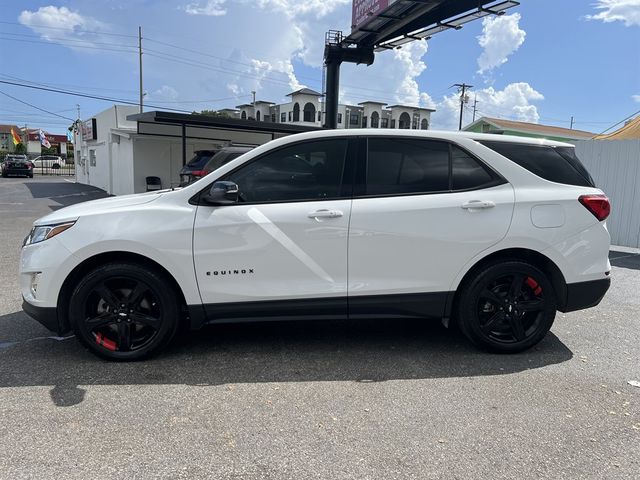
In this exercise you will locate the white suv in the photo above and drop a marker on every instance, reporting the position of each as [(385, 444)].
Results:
[(493, 232), (48, 161)]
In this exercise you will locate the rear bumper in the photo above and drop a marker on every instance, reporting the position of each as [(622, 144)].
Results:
[(585, 294), (18, 171), (47, 316)]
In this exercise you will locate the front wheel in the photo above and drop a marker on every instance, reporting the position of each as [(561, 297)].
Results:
[(124, 311), (507, 307)]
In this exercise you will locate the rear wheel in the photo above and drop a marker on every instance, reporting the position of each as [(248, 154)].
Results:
[(124, 311), (55, 166), (507, 307)]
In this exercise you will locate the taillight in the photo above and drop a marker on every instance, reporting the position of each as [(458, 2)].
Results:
[(597, 204), (200, 173)]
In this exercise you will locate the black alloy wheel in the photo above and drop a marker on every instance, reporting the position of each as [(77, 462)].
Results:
[(124, 311), (508, 307)]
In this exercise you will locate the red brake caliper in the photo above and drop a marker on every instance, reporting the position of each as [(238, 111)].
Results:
[(537, 289), (105, 342)]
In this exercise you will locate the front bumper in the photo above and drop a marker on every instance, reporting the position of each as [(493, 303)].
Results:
[(47, 316), (583, 295)]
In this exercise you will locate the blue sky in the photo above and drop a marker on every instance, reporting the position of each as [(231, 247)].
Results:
[(543, 62)]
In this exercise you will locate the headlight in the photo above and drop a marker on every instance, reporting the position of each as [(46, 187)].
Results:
[(41, 233)]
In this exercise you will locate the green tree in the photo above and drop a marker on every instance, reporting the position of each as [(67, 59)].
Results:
[(20, 149), (213, 113)]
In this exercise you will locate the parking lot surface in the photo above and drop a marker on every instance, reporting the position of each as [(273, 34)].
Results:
[(344, 400)]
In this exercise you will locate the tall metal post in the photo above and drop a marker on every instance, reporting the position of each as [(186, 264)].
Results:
[(333, 87), (140, 63)]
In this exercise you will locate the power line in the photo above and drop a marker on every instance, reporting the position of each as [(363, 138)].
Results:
[(50, 85), (96, 97), (75, 40), (62, 85), (621, 121), (50, 42), (33, 106), (84, 95), (70, 30)]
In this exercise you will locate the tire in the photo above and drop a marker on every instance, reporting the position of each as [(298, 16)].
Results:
[(507, 307), (55, 166), (124, 311), (31, 175)]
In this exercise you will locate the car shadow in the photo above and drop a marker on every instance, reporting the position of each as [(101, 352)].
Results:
[(625, 260), (362, 351), (64, 193)]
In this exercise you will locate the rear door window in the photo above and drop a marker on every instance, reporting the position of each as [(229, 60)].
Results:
[(467, 172), (556, 164), (403, 166)]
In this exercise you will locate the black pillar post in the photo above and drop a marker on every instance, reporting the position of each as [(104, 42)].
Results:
[(334, 55), (333, 90), (184, 144)]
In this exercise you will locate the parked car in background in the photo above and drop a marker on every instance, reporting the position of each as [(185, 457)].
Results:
[(195, 165), (493, 233), (221, 158), (48, 161), (17, 165)]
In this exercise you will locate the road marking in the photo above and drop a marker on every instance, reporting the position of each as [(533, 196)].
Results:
[(70, 181)]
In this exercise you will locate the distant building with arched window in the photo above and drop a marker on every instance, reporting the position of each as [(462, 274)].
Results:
[(306, 107)]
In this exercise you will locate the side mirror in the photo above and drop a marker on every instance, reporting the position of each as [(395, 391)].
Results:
[(222, 193)]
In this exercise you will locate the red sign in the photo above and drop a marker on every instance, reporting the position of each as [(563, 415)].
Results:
[(363, 10)]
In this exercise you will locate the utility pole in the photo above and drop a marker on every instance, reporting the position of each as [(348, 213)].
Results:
[(140, 62), (571, 126), (475, 104), (253, 93), (462, 87), (78, 110)]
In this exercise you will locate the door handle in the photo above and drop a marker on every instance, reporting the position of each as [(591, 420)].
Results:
[(478, 204), (325, 214)]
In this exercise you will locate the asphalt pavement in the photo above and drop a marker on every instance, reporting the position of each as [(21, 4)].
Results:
[(316, 400)]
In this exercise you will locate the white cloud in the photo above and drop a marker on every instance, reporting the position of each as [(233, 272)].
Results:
[(165, 92), (64, 24), (513, 102), (212, 8), (393, 78), (501, 37), (261, 69), (626, 11), (295, 8), (636, 98)]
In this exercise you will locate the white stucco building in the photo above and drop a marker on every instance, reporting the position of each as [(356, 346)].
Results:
[(306, 108)]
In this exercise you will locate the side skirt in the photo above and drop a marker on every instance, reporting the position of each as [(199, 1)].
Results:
[(409, 305)]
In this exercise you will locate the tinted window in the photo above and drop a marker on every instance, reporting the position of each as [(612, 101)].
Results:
[(544, 161), (305, 171), (200, 159), (221, 158), (467, 172), (569, 154), (400, 165)]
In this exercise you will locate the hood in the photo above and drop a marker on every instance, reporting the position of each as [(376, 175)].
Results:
[(94, 207)]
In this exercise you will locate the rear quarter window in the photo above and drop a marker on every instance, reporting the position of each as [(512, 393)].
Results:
[(556, 164)]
